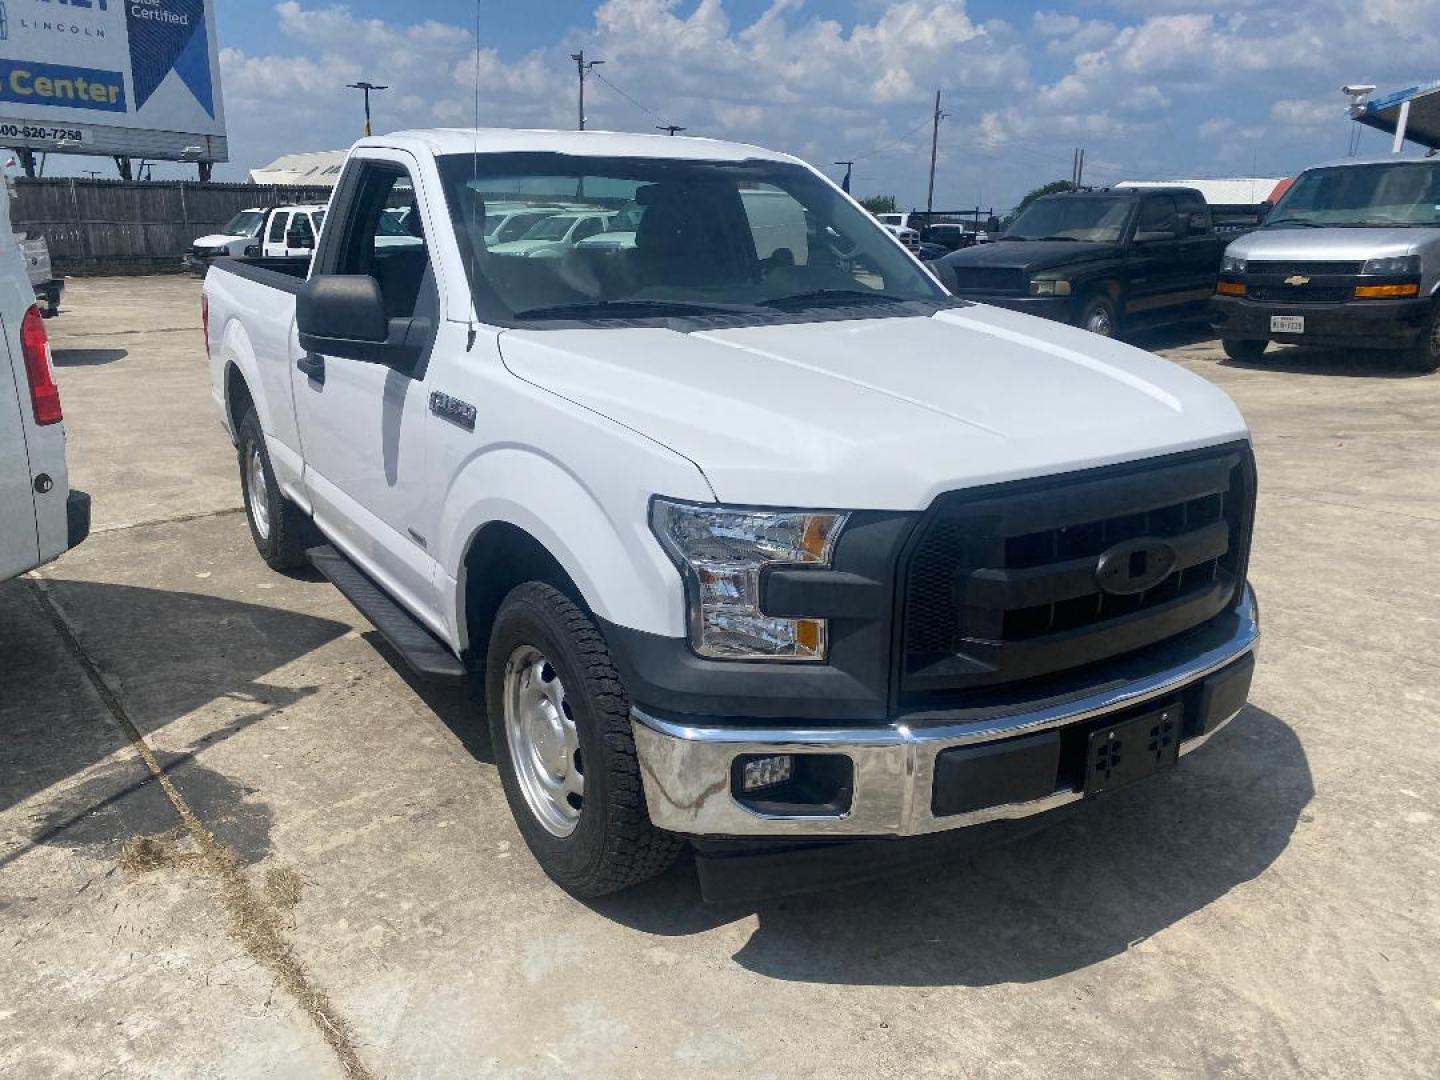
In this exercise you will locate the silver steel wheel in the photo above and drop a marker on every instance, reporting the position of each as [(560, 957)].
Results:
[(259, 492), (544, 746), (1098, 321), (1435, 338)]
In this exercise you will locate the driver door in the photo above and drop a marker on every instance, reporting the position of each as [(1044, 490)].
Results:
[(362, 425), (1157, 262)]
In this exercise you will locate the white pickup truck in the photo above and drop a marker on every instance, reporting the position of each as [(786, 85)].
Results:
[(750, 552)]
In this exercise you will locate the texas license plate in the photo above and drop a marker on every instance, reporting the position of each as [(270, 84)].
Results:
[(1287, 324), (1130, 751)]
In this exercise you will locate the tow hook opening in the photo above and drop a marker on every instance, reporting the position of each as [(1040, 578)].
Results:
[(794, 785)]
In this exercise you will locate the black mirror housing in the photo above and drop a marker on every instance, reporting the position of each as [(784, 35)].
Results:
[(344, 315)]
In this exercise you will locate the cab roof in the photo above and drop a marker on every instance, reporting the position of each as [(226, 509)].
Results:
[(440, 141)]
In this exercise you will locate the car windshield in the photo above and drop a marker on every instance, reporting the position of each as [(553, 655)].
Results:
[(1088, 217), (761, 237), (1402, 193), (552, 228), (245, 223)]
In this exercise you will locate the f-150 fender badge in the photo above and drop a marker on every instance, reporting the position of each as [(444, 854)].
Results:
[(458, 412)]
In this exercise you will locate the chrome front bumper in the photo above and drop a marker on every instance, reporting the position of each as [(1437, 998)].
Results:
[(687, 768)]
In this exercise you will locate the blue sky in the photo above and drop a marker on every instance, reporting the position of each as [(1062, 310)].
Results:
[(1151, 88)]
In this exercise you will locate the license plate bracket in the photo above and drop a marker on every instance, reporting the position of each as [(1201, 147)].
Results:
[(1131, 750), (1287, 324)]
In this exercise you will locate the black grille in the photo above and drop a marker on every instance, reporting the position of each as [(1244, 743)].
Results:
[(1005, 586), (1301, 294), (989, 279), (1304, 269)]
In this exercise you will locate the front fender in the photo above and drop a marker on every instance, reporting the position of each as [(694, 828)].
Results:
[(592, 519)]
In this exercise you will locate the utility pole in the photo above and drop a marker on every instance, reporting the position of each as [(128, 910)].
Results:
[(583, 68), (366, 87), (670, 129), (845, 184), (1080, 170), (934, 149)]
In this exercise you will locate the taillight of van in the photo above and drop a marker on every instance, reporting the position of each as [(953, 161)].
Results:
[(35, 347)]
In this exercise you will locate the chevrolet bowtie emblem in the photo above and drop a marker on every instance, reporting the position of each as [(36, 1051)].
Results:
[(1297, 279)]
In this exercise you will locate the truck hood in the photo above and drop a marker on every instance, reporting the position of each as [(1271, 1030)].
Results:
[(879, 413), (1324, 245), (217, 240), (1031, 254)]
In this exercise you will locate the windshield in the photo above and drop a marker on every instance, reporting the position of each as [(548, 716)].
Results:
[(1403, 193), (1099, 220), (756, 237), (516, 225), (245, 223)]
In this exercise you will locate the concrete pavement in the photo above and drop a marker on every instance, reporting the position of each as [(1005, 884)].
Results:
[(1269, 909)]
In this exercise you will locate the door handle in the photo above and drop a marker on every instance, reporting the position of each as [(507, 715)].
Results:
[(313, 365)]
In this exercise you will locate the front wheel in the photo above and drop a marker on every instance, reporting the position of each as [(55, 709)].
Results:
[(1098, 316), (1246, 350), (560, 728), (1424, 355)]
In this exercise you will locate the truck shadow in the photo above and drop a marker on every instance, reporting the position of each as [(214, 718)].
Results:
[(194, 649), (64, 358), (1090, 887)]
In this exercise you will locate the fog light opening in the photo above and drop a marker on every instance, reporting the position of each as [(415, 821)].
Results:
[(794, 785)]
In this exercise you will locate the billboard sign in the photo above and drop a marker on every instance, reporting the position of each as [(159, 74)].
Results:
[(138, 78)]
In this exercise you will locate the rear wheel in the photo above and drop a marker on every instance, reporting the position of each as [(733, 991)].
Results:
[(1098, 316), (281, 531), (1424, 355), (1246, 350), (560, 728)]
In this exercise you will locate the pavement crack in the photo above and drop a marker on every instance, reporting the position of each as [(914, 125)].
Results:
[(257, 921), (179, 519)]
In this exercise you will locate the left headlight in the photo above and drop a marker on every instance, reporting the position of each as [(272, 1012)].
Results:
[(1049, 287), (1394, 265), (722, 551)]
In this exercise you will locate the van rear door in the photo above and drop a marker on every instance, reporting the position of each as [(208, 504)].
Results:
[(19, 543)]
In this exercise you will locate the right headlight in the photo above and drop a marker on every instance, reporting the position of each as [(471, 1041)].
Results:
[(721, 551), (1232, 264), (1394, 266)]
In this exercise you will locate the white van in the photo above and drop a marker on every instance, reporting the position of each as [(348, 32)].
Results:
[(40, 517)]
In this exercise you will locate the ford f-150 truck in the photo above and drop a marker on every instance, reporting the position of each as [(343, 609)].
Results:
[(1108, 261), (1350, 256), (751, 552)]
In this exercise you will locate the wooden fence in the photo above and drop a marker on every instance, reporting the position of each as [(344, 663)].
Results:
[(133, 227)]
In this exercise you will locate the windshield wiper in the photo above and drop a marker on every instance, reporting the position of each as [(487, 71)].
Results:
[(839, 296), (1295, 221), (1071, 239), (636, 309)]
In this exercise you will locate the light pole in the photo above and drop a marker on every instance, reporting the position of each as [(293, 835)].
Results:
[(583, 68), (366, 87)]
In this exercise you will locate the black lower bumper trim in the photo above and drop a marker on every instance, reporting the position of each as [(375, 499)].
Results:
[(77, 518), (1367, 323)]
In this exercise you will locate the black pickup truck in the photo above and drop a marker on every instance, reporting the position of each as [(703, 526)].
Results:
[(1106, 260)]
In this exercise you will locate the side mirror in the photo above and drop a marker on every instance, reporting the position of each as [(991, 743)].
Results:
[(1263, 211), (299, 238), (344, 315)]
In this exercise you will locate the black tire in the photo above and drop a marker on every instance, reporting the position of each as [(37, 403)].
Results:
[(613, 845), (1245, 350), (1097, 314), (286, 532), (1424, 355)]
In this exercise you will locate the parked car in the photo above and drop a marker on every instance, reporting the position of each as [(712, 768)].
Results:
[(510, 222), (47, 287), (277, 232), (1350, 256), (556, 234), (41, 517), (742, 550), (1107, 261)]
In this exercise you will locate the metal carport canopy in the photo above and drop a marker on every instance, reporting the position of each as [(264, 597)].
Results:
[(1388, 113)]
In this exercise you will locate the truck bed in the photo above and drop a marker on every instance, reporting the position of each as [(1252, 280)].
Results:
[(280, 272)]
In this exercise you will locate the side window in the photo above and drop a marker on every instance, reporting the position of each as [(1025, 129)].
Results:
[(777, 224), (587, 227), (383, 238), (1197, 212), (1157, 215), (277, 227), (304, 231)]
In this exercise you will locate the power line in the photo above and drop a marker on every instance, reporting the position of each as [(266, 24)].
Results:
[(664, 125)]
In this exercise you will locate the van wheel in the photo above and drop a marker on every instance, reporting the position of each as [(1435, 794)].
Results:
[(1246, 350), (1098, 316), (560, 728), (1424, 355), (280, 529)]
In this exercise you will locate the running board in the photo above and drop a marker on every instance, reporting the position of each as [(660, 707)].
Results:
[(422, 650)]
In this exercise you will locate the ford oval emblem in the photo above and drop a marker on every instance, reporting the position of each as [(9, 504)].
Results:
[(1133, 566)]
